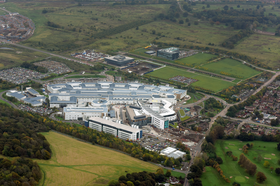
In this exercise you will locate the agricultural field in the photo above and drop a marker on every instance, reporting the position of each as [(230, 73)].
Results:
[(197, 59), (77, 163), (262, 47), (204, 81), (230, 67), (12, 56), (231, 168)]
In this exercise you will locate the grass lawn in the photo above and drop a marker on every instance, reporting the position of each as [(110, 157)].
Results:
[(112, 73), (77, 163), (197, 59), (204, 81), (194, 97), (4, 102), (184, 118), (231, 168), (174, 126), (232, 68), (86, 76), (182, 113), (60, 118)]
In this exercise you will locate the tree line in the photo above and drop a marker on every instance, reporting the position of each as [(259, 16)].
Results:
[(6, 85), (31, 66), (19, 171), (18, 135), (143, 178), (38, 123), (239, 18), (230, 42), (212, 103)]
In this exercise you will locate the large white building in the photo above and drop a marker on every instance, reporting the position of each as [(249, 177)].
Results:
[(82, 113), (155, 101), (36, 101), (119, 130), (62, 95), (172, 153)]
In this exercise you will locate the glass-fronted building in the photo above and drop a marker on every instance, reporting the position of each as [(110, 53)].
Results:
[(169, 53)]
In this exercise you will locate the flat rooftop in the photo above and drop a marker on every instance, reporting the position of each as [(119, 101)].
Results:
[(119, 58), (115, 125)]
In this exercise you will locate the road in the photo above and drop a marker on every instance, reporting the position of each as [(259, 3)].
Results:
[(180, 6), (206, 96), (3, 99), (5, 10), (49, 53), (223, 113), (267, 83)]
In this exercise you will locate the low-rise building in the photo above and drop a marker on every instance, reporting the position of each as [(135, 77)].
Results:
[(119, 130), (172, 153), (169, 53), (82, 113), (119, 60)]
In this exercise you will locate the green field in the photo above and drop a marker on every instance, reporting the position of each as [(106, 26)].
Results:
[(231, 168), (174, 126), (201, 34), (194, 97), (113, 73), (76, 25), (1, 101), (79, 24), (262, 47), (182, 113), (204, 81), (86, 76), (16, 56), (197, 59), (77, 163), (232, 68), (184, 118)]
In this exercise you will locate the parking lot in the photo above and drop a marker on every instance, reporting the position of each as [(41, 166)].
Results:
[(39, 110), (20, 75), (54, 67)]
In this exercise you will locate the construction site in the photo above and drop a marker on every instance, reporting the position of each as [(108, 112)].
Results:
[(140, 68)]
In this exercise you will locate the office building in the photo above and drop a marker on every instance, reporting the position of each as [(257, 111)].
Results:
[(135, 116), (169, 53), (119, 130), (83, 113), (119, 60)]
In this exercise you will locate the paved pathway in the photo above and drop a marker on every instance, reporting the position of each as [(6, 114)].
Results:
[(5, 10)]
